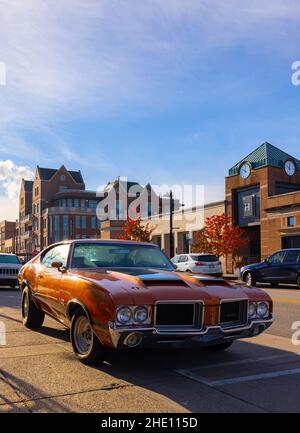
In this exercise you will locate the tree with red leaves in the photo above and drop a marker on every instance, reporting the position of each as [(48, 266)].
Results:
[(135, 230), (219, 237)]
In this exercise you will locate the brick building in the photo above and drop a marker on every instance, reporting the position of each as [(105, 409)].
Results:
[(263, 197), (55, 206), (124, 194), (7, 236)]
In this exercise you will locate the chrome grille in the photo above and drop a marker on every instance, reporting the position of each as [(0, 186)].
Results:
[(233, 313), (9, 271), (178, 315)]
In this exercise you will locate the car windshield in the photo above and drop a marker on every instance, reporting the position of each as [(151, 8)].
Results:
[(103, 255), (205, 258), (13, 260)]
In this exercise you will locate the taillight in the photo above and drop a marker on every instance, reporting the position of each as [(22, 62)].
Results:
[(200, 264)]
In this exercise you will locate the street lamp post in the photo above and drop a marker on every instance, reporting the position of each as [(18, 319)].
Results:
[(171, 235)]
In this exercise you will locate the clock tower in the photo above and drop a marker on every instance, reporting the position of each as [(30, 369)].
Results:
[(262, 192)]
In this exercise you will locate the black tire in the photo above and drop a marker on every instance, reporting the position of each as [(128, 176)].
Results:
[(32, 317), (298, 281), (250, 279), (219, 347), (88, 349)]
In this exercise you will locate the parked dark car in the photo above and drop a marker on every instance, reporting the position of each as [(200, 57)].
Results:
[(281, 267)]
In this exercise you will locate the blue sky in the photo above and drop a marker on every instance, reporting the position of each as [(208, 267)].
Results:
[(160, 91)]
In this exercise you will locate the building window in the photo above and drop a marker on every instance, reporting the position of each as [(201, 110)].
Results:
[(50, 228), (291, 221), (70, 203), (93, 223), (83, 222), (77, 222), (65, 227), (76, 202), (82, 203), (62, 188), (93, 204), (77, 236), (56, 228)]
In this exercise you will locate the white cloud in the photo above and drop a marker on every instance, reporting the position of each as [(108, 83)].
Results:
[(10, 181)]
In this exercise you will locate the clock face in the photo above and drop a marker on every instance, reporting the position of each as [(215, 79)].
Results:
[(289, 167), (245, 170)]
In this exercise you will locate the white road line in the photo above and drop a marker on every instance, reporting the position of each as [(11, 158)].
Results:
[(242, 361), (240, 379)]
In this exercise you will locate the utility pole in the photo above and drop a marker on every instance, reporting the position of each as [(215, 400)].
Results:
[(171, 235)]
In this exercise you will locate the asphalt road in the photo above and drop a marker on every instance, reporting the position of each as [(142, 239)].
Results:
[(38, 372)]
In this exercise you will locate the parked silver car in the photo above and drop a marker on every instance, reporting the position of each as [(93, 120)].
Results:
[(198, 263), (9, 269)]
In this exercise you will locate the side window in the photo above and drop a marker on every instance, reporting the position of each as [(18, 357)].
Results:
[(277, 258), (183, 259), (60, 254), (47, 258), (56, 254), (175, 259), (291, 257)]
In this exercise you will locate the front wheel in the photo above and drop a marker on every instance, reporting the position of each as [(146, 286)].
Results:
[(32, 317), (86, 345), (250, 279), (219, 347)]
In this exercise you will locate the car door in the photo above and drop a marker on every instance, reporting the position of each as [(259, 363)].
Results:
[(291, 266), (274, 269), (183, 263), (49, 279)]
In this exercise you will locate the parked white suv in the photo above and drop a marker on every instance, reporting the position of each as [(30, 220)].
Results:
[(198, 263), (9, 269)]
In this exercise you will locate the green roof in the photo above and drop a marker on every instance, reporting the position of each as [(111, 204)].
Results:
[(265, 155)]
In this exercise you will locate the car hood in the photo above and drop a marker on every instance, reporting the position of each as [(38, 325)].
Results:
[(147, 286), (258, 265), (10, 265)]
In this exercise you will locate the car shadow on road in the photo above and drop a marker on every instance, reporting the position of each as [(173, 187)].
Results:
[(59, 333), (159, 371), (28, 398)]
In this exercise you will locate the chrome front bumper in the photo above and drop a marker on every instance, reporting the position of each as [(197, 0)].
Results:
[(209, 335)]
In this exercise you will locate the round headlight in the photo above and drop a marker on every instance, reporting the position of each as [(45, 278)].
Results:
[(252, 310), (262, 309), (124, 315), (141, 314)]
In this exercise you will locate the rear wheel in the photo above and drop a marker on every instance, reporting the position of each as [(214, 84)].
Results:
[(250, 279), (32, 317), (86, 345), (219, 347)]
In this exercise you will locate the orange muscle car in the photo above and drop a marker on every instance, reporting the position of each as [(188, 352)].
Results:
[(123, 294)]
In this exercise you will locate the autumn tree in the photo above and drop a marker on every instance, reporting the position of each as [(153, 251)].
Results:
[(135, 230), (219, 237)]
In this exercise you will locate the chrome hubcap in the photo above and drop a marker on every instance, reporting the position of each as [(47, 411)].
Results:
[(82, 335)]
